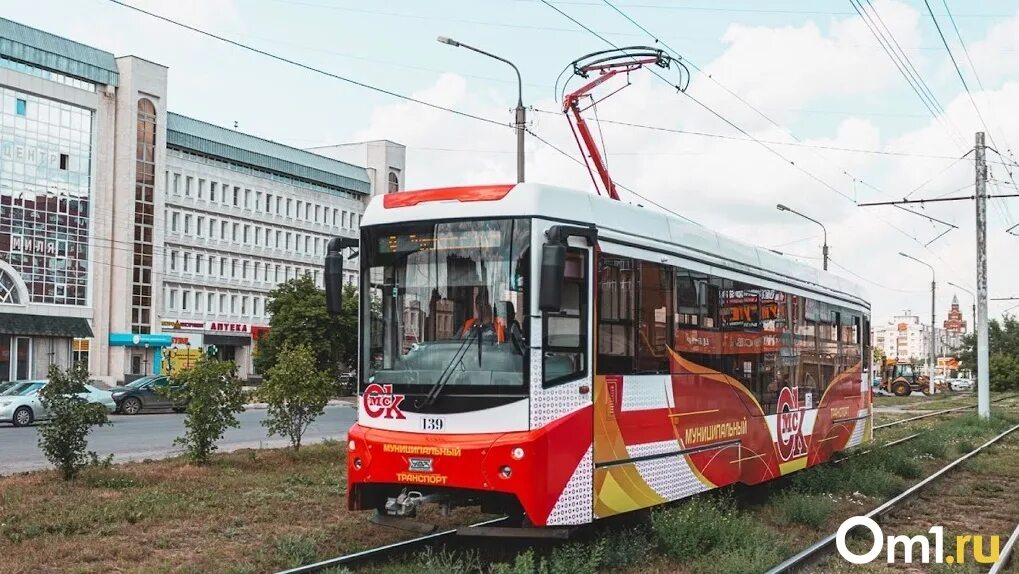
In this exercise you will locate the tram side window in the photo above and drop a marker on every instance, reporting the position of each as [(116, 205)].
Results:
[(616, 286), (654, 316), (565, 332)]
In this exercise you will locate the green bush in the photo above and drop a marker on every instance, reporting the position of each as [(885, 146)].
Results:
[(627, 548), (295, 550), (800, 508), (296, 392), (213, 395), (702, 525), (64, 441)]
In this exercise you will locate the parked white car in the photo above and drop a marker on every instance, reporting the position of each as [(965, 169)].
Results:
[(961, 384), (21, 406)]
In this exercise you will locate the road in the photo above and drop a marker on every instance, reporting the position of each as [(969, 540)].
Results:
[(151, 436)]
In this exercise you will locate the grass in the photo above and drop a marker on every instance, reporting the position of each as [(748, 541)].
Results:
[(249, 511)]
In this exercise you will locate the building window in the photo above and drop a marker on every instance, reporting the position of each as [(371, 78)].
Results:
[(212, 191), (173, 261), (187, 186), (79, 350), (244, 305), (187, 224), (394, 182), (21, 107), (247, 234), (233, 304), (174, 221), (336, 214), (184, 297), (237, 196), (187, 262), (247, 199), (8, 290), (236, 228), (209, 302), (64, 159), (344, 220), (268, 202), (222, 303), (173, 300), (201, 188)]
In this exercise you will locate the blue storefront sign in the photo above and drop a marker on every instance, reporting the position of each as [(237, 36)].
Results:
[(156, 341)]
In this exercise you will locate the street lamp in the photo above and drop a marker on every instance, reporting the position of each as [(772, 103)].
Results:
[(974, 303), (824, 249), (933, 354), (521, 113)]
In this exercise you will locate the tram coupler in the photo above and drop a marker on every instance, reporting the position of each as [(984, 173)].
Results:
[(406, 504)]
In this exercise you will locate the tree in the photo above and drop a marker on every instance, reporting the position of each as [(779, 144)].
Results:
[(64, 440), (299, 318), (1003, 351), (297, 393), (213, 395)]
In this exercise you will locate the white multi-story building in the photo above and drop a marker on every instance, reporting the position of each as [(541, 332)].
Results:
[(906, 337), (130, 235)]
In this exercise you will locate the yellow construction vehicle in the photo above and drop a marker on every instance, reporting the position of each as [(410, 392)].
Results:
[(901, 378)]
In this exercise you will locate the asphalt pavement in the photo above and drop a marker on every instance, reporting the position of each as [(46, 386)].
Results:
[(151, 436)]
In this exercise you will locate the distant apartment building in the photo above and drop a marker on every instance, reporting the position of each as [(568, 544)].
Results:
[(906, 337), (130, 235)]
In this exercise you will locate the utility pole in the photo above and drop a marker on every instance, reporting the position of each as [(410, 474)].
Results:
[(932, 355), (983, 352), (520, 120)]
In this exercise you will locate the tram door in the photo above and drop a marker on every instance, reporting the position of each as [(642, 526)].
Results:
[(564, 398)]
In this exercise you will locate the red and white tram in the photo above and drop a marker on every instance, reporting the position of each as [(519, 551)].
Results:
[(564, 357)]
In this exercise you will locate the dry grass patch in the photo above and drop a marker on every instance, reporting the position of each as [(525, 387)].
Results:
[(249, 511)]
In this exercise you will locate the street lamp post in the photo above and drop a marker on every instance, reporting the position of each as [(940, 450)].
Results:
[(824, 248), (933, 351), (521, 113), (971, 294)]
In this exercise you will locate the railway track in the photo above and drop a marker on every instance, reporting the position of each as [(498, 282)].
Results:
[(807, 559), (937, 413), (386, 551), (1007, 553), (420, 542)]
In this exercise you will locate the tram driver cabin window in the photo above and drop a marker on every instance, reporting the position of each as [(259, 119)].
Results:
[(565, 332)]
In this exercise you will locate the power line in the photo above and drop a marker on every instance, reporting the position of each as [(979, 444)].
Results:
[(1006, 212), (770, 142), (871, 281), (708, 108), (308, 67), (902, 63), (570, 156)]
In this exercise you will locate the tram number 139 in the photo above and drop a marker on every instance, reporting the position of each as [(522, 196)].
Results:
[(432, 423)]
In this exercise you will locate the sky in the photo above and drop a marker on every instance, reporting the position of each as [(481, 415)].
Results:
[(802, 72)]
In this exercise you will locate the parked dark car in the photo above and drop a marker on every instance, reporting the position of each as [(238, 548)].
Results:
[(144, 394)]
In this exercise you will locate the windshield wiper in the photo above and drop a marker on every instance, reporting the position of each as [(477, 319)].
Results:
[(449, 369)]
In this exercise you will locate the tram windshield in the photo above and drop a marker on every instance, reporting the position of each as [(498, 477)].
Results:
[(447, 304)]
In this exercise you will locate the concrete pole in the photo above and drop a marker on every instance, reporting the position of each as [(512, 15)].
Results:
[(934, 336), (521, 127), (983, 351)]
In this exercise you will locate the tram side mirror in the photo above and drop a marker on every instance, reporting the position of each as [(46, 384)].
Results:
[(334, 272), (553, 270)]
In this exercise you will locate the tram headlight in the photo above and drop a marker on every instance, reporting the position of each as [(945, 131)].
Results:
[(357, 463), (505, 471), (351, 446), (517, 453)]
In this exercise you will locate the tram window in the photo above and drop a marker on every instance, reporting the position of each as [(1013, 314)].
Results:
[(615, 316), (565, 332), (654, 316)]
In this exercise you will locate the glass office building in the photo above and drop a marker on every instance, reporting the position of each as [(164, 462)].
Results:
[(45, 161)]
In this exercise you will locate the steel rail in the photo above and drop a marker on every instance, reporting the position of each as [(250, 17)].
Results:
[(934, 414), (382, 550), (999, 566), (812, 551)]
